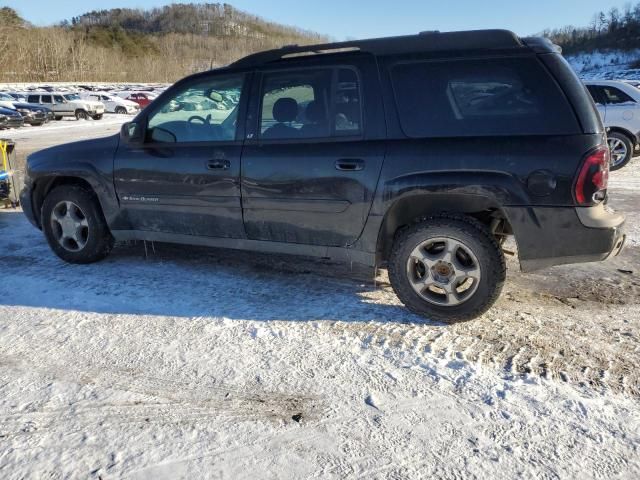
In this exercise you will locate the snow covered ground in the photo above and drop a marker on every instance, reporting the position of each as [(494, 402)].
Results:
[(606, 65), (205, 363)]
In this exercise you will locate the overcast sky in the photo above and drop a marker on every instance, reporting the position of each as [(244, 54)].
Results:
[(364, 18)]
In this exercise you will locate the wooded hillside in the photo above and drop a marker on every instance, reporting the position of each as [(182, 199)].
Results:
[(157, 45), (616, 29)]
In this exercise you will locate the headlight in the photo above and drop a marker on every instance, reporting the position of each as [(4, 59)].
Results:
[(25, 112)]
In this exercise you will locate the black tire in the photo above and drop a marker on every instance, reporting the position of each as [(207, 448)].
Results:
[(57, 118), (477, 238), (99, 239), (97, 117), (81, 115), (121, 110), (629, 146)]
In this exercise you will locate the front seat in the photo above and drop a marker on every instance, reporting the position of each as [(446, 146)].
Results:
[(285, 111), (317, 125)]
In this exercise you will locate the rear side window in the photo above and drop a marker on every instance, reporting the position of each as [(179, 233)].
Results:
[(33, 99), (487, 97), (615, 96), (46, 99), (310, 103)]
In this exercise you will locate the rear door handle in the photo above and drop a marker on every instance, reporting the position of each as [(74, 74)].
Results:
[(218, 165), (350, 165)]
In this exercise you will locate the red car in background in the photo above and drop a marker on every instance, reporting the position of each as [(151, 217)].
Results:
[(141, 98)]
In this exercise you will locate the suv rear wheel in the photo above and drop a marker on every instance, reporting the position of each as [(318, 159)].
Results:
[(121, 110), (621, 148), (449, 268), (74, 225)]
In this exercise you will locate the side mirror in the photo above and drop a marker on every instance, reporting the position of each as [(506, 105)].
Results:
[(132, 133)]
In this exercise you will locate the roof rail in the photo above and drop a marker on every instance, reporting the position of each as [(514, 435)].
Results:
[(425, 41)]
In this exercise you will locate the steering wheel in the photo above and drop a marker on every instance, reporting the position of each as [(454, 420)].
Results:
[(198, 119)]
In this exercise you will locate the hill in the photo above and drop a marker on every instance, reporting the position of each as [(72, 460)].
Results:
[(156, 45)]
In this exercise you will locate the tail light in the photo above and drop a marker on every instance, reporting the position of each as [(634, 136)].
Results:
[(593, 177)]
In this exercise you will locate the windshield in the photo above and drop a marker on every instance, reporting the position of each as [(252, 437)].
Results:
[(72, 96), (4, 96)]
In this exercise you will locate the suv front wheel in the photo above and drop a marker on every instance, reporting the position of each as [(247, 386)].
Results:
[(448, 268), (74, 226)]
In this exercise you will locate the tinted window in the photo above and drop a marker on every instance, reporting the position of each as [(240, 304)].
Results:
[(206, 111), (316, 103), (613, 96), (46, 99), (33, 99), (58, 98), (480, 98), (595, 93)]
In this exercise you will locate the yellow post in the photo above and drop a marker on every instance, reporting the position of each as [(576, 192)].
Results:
[(5, 161)]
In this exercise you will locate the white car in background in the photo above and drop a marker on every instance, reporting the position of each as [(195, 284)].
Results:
[(7, 101), (619, 106), (112, 103), (66, 104)]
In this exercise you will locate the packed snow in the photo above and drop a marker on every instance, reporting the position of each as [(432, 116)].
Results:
[(174, 362)]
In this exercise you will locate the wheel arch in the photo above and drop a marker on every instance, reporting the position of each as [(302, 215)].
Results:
[(626, 133), (411, 209), (43, 186)]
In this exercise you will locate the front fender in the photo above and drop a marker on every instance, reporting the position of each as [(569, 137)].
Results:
[(89, 160)]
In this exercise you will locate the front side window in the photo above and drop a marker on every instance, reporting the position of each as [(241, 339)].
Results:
[(310, 103), (58, 98), (511, 96), (615, 96), (206, 111)]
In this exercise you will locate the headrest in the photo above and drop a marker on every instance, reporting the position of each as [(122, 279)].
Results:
[(285, 110), (315, 112)]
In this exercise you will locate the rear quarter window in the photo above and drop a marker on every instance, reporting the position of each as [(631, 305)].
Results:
[(480, 97)]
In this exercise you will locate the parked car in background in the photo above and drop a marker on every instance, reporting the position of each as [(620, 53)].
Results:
[(34, 115), (18, 96), (10, 118), (6, 100), (112, 104), (141, 98), (68, 105), (619, 106), (421, 154)]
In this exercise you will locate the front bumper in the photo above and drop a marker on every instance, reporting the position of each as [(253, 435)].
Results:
[(27, 205), (13, 122), (548, 236)]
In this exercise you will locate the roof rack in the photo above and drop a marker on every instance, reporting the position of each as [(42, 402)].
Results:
[(425, 41)]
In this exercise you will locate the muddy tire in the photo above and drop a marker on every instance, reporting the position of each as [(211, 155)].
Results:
[(74, 225), (447, 268)]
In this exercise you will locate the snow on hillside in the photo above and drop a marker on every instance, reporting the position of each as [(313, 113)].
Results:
[(609, 65)]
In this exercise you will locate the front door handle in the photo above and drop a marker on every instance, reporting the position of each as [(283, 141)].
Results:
[(218, 165), (350, 165)]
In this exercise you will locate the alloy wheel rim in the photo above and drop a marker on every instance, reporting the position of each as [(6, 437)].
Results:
[(443, 271), (70, 226), (618, 151)]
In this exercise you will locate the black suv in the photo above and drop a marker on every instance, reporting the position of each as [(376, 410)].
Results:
[(420, 153)]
